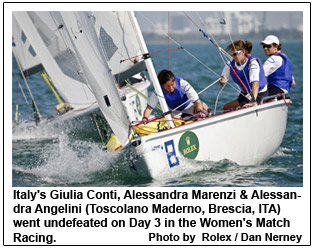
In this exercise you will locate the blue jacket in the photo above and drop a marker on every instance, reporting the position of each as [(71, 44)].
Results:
[(177, 97), (282, 77), (244, 75)]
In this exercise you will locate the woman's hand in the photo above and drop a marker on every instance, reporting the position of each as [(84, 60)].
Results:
[(201, 108), (223, 80)]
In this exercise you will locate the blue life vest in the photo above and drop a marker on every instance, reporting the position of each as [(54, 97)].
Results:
[(177, 97), (282, 77), (244, 75)]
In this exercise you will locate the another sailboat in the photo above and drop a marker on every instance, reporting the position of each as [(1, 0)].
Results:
[(169, 150), (40, 45)]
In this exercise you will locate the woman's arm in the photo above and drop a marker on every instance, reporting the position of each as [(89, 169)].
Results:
[(255, 89), (147, 112)]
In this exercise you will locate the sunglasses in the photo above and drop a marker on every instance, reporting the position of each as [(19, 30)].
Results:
[(266, 46), (236, 53)]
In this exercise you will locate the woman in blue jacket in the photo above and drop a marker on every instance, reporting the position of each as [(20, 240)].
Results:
[(277, 67), (178, 94), (247, 71)]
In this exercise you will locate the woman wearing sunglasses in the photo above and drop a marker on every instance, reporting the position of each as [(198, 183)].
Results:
[(277, 67), (247, 71)]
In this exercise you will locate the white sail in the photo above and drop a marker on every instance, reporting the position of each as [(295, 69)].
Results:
[(55, 55), (117, 38), (23, 50), (81, 30)]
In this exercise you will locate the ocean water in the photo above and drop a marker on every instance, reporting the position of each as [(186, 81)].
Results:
[(67, 157)]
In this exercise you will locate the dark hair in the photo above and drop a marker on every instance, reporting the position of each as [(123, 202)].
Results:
[(165, 76), (279, 47), (240, 45)]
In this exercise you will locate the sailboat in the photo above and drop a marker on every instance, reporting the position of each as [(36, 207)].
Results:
[(169, 149), (39, 45)]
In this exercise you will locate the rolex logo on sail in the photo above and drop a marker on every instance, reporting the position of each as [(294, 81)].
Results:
[(189, 145)]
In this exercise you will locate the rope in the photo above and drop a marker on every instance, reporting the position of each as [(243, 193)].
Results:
[(217, 99), (222, 52), (144, 55), (247, 80), (283, 95), (21, 89), (206, 88), (97, 127), (168, 40), (140, 93), (191, 20), (37, 115), (208, 37), (16, 106), (49, 83), (183, 47)]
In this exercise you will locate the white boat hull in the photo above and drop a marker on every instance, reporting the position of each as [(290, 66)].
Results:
[(246, 136)]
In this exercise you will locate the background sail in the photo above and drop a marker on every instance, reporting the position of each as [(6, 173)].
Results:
[(80, 28), (25, 53), (117, 38), (44, 34)]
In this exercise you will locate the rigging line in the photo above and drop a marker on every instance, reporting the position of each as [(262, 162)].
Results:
[(123, 31), (183, 47), (97, 127), (201, 62), (103, 47), (168, 38), (206, 88), (223, 54), (217, 99), (59, 27), (191, 20), (232, 42), (208, 36), (21, 89), (140, 93), (221, 51), (144, 54), (16, 105), (122, 25), (122, 48), (37, 113)]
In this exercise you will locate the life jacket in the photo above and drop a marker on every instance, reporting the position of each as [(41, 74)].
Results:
[(177, 97), (282, 77), (244, 74)]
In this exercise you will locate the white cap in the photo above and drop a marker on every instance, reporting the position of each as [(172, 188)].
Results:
[(270, 39)]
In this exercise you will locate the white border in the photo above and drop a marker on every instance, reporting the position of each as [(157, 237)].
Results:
[(9, 7)]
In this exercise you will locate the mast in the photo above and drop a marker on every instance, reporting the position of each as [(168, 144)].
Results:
[(151, 70), (37, 115)]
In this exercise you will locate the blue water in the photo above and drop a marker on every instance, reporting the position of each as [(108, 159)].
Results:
[(67, 158)]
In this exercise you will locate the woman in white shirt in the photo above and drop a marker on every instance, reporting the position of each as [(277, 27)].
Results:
[(178, 94), (277, 68), (246, 70)]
